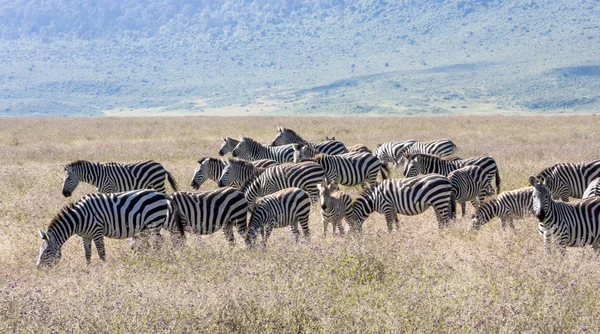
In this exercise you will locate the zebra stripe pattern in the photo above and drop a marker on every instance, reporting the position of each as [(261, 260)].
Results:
[(287, 136), (409, 196), (348, 169), (114, 177), (562, 224), (569, 179), (249, 149), (209, 211), (288, 207), (238, 172), (360, 148), (470, 184), (335, 206), (440, 147), (116, 215), (228, 145), (391, 151), (212, 168), (305, 175), (422, 163), (510, 205), (593, 189)]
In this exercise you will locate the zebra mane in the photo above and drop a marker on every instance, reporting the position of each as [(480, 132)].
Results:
[(240, 162), (61, 214), (78, 163), (201, 160), (422, 155), (290, 131), (365, 193), (545, 172)]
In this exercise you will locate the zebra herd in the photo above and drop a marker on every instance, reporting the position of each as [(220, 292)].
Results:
[(270, 186)]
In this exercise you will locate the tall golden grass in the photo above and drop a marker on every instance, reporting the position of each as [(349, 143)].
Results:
[(416, 279)]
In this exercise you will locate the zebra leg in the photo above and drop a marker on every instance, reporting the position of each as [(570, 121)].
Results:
[(325, 222), (391, 218), (295, 231), (463, 208), (441, 214), (340, 227), (99, 242), (228, 231), (266, 233), (87, 249)]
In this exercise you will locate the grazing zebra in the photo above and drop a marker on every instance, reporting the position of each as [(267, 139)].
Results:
[(408, 196), (593, 189), (390, 151), (228, 145), (335, 206), (570, 179), (563, 224), (440, 147), (112, 177), (347, 169), (421, 163), (209, 211), (305, 175), (359, 148), (288, 207), (212, 168), (116, 215), (514, 204), (288, 136), (249, 149), (470, 183)]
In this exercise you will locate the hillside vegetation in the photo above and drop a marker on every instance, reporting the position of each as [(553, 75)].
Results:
[(65, 57), (416, 279)]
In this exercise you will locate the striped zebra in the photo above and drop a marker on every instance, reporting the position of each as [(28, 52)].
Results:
[(288, 136), (238, 172), (347, 169), (510, 205), (563, 224), (390, 151), (305, 175), (116, 215), (228, 145), (209, 211), (408, 196), (212, 168), (470, 184), (570, 179), (360, 148), (593, 189), (421, 163), (439, 147), (112, 177), (249, 149), (335, 206), (288, 207)]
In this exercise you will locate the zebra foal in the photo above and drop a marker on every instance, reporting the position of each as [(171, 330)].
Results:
[(510, 205), (116, 215), (335, 206)]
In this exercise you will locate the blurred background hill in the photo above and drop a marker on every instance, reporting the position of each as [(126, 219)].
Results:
[(335, 57)]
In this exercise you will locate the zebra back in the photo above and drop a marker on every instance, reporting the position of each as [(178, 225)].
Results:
[(593, 189), (350, 168), (288, 136), (249, 149), (359, 148), (566, 180), (391, 151)]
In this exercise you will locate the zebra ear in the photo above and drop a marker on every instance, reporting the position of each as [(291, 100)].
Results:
[(533, 181), (63, 167), (280, 129), (43, 235), (223, 139)]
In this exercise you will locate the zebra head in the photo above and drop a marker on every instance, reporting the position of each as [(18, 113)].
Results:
[(200, 173), (325, 191), (236, 173), (303, 152), (227, 146), (50, 251), (484, 213), (413, 166), (541, 198), (71, 180), (362, 207), (283, 137)]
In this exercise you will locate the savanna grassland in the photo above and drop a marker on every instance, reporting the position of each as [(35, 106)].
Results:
[(416, 279)]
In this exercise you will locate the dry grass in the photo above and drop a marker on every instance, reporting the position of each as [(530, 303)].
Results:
[(418, 279)]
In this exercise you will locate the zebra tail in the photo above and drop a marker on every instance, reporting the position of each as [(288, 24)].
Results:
[(177, 218), (171, 180), (452, 206), (385, 171), (498, 181)]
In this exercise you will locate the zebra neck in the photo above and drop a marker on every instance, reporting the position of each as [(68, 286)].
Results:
[(66, 225), (89, 173), (216, 170)]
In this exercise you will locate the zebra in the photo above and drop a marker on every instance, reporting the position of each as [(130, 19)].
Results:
[(408, 196), (470, 183), (115, 215), (347, 169), (359, 148), (288, 136), (287, 207), (510, 205), (212, 168), (574, 224), (390, 151), (335, 206), (209, 211), (569, 179), (238, 172), (422, 163), (228, 145), (305, 175), (439, 147), (112, 177), (249, 149), (593, 189)]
